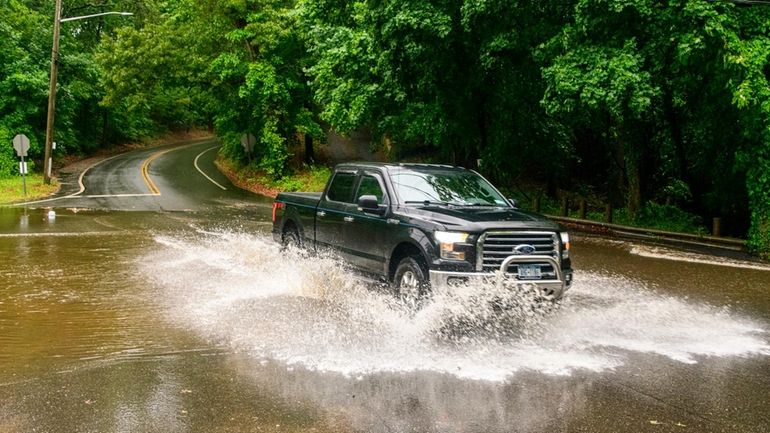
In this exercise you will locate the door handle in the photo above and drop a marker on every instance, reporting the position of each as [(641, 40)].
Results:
[(349, 219), (321, 213)]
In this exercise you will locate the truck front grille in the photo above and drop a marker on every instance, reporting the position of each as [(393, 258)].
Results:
[(494, 247)]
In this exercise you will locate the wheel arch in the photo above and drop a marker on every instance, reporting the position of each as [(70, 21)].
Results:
[(405, 249), (290, 224)]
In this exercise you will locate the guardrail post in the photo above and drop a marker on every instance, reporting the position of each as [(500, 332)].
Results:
[(564, 206), (716, 227), (608, 213), (536, 204), (582, 208)]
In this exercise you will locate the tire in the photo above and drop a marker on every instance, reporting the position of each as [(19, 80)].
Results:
[(410, 282), (291, 239)]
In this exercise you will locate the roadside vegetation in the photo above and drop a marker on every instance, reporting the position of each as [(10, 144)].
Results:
[(12, 189), (651, 216), (661, 109), (304, 178)]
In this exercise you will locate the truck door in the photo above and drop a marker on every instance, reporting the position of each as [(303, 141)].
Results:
[(335, 205), (366, 234)]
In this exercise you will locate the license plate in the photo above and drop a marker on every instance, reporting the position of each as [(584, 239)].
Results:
[(530, 272)]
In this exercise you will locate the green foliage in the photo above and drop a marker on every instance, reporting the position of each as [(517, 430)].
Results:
[(677, 192), (662, 89), (748, 56), (8, 162), (155, 76), (25, 51), (311, 178), (243, 72), (599, 78), (668, 218), (637, 101), (23, 81)]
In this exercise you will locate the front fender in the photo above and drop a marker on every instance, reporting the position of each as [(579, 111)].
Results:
[(417, 239)]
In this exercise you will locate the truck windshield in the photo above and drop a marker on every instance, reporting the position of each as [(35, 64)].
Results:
[(460, 188)]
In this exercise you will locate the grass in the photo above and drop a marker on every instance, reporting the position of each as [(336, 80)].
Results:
[(311, 179), (306, 178), (12, 191)]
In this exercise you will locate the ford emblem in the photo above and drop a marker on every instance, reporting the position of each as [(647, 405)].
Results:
[(524, 249)]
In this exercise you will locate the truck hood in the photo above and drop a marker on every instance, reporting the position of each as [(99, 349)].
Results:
[(484, 218)]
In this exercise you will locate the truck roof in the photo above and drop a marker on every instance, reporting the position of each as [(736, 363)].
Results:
[(399, 165)]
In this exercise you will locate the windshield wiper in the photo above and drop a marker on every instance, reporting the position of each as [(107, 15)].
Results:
[(429, 202), (483, 205)]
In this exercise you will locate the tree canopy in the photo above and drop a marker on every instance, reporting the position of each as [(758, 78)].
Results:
[(640, 102)]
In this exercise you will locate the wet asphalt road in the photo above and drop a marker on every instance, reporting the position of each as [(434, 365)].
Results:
[(177, 177), (154, 301)]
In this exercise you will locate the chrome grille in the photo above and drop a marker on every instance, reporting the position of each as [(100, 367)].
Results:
[(494, 247)]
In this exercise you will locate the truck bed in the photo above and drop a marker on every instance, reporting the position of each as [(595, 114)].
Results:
[(301, 198)]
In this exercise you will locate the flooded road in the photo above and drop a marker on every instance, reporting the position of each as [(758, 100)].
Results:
[(192, 321)]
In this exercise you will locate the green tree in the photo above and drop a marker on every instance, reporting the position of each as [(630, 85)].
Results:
[(748, 57), (435, 76), (261, 76), (23, 80), (25, 52), (157, 75), (237, 65), (664, 87), (598, 76)]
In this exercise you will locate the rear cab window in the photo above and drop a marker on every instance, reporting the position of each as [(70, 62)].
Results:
[(341, 188)]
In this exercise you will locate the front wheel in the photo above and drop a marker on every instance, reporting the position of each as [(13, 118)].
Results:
[(411, 282)]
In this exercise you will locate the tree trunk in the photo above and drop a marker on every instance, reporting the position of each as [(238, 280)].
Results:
[(105, 125), (634, 174), (309, 153)]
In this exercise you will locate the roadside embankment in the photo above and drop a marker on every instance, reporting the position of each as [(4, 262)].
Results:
[(306, 179)]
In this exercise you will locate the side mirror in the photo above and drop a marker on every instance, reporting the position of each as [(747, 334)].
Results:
[(369, 203), (513, 202)]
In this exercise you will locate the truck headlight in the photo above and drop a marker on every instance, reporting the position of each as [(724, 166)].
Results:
[(565, 245), (447, 241)]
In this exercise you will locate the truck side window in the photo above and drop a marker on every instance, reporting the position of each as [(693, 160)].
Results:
[(341, 188), (370, 186)]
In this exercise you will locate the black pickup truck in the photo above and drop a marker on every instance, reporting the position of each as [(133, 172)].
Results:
[(425, 226)]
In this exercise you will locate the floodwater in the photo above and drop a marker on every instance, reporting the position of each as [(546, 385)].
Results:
[(143, 322)]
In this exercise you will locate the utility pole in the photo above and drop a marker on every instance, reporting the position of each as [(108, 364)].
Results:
[(52, 95), (52, 89)]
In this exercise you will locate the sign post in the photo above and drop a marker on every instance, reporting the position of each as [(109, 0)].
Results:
[(21, 145)]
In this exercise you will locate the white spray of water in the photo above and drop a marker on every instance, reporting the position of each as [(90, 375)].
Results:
[(664, 253), (241, 291)]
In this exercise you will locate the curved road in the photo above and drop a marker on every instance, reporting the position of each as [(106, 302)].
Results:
[(176, 177)]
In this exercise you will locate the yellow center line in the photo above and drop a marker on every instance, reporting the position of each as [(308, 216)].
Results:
[(146, 170)]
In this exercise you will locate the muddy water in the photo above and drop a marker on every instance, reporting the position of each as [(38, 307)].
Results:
[(183, 322)]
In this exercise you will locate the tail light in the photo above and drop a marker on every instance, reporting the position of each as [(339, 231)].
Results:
[(277, 205)]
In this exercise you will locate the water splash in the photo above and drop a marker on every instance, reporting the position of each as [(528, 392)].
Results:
[(664, 253), (241, 291)]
